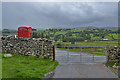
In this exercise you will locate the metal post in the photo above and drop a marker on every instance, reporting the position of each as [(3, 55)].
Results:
[(68, 55), (107, 58), (81, 48), (80, 57), (53, 52), (93, 57)]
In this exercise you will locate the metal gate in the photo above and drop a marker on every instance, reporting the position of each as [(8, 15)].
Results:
[(65, 56)]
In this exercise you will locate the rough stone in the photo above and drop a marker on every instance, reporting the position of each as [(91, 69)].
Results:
[(28, 47), (114, 53), (114, 66), (7, 55)]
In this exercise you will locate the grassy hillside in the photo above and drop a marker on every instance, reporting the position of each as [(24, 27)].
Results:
[(72, 35), (77, 35)]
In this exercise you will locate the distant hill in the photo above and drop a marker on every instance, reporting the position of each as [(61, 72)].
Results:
[(93, 27), (86, 27), (109, 27)]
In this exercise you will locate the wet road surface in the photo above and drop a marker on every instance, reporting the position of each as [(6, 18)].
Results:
[(80, 65), (68, 57)]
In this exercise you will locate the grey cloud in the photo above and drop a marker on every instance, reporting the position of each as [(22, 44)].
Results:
[(48, 15)]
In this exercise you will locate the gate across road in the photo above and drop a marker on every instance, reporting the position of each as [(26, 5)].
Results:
[(65, 56), (80, 65)]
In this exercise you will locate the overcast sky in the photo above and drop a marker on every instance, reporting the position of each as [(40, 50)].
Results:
[(65, 15)]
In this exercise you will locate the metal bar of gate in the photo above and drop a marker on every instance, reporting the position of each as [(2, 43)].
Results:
[(80, 46), (53, 53), (93, 57)]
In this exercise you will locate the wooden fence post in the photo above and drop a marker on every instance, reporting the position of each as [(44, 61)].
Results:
[(107, 58), (53, 52), (42, 49)]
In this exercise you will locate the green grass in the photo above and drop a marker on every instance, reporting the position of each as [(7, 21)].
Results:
[(59, 32), (87, 51), (0, 65), (26, 67), (119, 75), (115, 36), (110, 64), (91, 52), (91, 43), (0, 68)]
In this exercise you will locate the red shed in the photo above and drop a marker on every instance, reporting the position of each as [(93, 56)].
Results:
[(25, 32)]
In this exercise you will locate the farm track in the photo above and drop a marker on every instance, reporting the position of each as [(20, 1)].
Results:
[(72, 69)]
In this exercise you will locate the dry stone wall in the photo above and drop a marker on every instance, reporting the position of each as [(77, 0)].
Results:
[(113, 54), (42, 48)]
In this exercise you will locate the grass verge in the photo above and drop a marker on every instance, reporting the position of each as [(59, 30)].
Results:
[(19, 66), (110, 64), (0, 66)]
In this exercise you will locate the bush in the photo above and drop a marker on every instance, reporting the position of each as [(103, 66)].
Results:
[(58, 45)]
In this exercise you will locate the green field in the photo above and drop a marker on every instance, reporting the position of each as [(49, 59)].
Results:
[(87, 51), (0, 68), (19, 66), (78, 35), (91, 52), (90, 43)]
